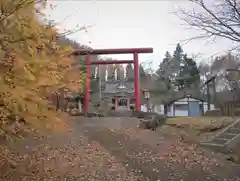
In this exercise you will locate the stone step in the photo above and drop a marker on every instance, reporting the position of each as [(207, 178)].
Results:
[(233, 130), (220, 141), (237, 125), (226, 139), (120, 114), (234, 141), (211, 144), (227, 135), (214, 146)]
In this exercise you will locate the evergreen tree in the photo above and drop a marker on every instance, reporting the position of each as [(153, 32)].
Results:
[(121, 72), (178, 71), (165, 72), (189, 74), (178, 53), (164, 66), (176, 63), (118, 73), (143, 76), (142, 73), (111, 72), (129, 73)]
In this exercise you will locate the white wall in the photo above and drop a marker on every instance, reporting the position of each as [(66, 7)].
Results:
[(157, 109), (185, 113), (177, 112), (205, 107), (160, 109), (170, 111), (144, 108)]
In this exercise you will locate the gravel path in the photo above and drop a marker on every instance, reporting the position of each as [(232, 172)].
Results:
[(112, 149)]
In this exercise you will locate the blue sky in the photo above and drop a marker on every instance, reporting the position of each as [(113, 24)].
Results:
[(132, 24)]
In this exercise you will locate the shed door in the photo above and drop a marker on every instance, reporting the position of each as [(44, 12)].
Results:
[(180, 110), (194, 108)]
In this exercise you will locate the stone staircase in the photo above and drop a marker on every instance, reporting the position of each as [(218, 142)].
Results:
[(226, 139), (120, 113)]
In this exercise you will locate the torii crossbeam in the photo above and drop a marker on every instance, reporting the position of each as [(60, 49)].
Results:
[(134, 51)]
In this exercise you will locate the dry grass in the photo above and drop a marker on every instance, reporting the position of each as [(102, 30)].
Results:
[(200, 122), (195, 128)]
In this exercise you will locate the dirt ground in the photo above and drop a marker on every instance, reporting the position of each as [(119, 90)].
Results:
[(112, 149)]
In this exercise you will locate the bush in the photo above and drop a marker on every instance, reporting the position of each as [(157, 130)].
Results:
[(140, 114)]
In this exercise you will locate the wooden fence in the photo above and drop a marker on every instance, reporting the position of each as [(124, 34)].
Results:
[(231, 108), (66, 102)]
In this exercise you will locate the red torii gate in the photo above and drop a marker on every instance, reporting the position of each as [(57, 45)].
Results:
[(134, 51)]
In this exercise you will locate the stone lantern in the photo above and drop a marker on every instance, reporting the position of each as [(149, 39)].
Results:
[(146, 95)]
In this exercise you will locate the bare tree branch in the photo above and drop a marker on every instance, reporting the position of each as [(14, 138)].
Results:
[(77, 28), (221, 20), (70, 32), (5, 13)]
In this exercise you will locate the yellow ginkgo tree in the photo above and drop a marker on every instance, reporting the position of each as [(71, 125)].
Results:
[(31, 62)]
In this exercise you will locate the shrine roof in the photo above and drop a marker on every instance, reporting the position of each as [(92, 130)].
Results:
[(118, 86)]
